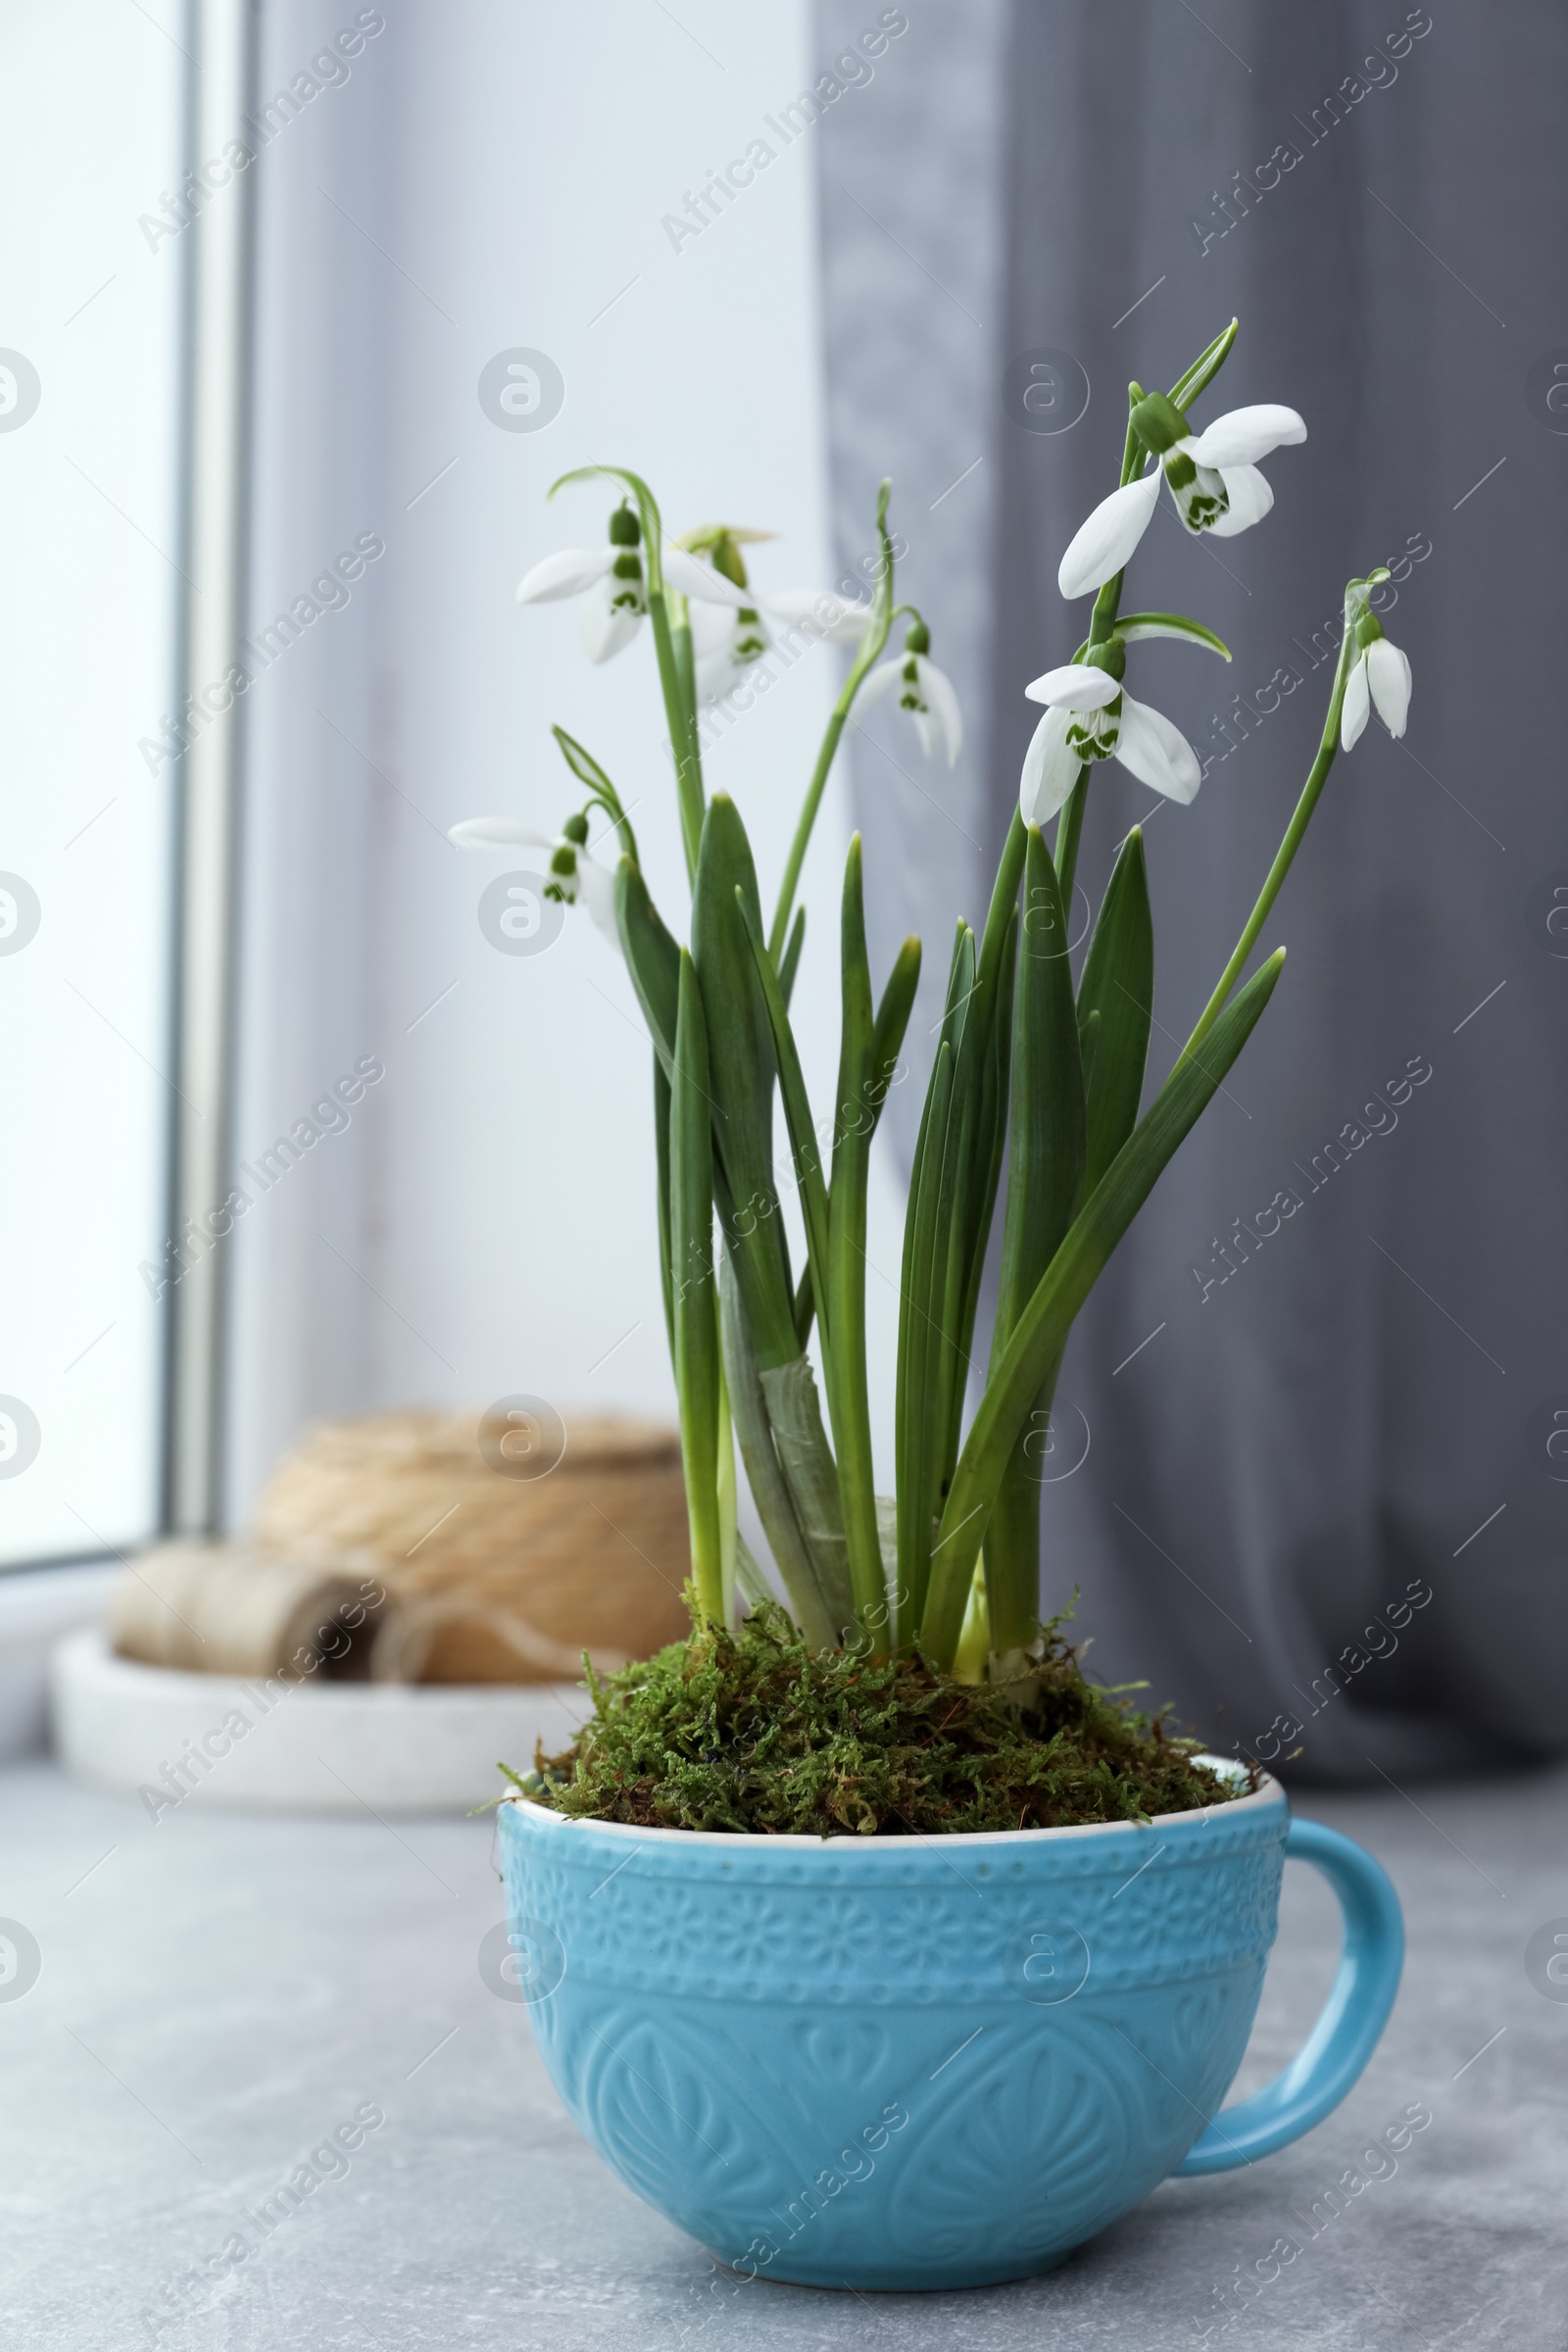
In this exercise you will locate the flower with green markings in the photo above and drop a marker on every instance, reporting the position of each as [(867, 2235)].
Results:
[(575, 875), (1378, 680), (1213, 478), (728, 640), (615, 581), (1089, 716), (923, 690)]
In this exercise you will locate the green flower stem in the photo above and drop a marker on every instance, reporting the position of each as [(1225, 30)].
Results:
[(696, 1326), (869, 650), (1068, 829), (1283, 856), (779, 934), (680, 719), (680, 635)]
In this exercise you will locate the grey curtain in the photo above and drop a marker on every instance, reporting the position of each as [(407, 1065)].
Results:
[(1322, 1506)]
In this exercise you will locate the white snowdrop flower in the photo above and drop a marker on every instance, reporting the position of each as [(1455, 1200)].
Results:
[(614, 580), (1213, 478), (923, 690), (1378, 679), (1088, 715), (576, 876)]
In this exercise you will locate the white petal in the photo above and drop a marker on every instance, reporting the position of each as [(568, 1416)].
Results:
[(607, 628), (497, 833), (1075, 686), (1387, 675), (1250, 499), (1356, 705), (818, 613), (1243, 435), (719, 669), (936, 687), (880, 681), (691, 577), (596, 887), (1101, 546), (568, 574), (1157, 753), (1049, 770), (712, 629)]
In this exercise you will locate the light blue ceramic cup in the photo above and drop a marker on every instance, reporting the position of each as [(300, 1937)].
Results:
[(927, 2062)]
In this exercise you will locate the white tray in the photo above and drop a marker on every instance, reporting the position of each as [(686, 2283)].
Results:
[(317, 1748)]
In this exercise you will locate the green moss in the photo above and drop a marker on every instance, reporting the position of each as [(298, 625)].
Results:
[(753, 1732)]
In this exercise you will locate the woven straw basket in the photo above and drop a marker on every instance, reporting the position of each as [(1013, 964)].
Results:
[(501, 1568)]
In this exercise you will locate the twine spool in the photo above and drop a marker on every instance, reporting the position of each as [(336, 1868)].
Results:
[(508, 1544), (221, 1608)]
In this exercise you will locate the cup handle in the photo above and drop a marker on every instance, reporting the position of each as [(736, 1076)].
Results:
[(1353, 2016)]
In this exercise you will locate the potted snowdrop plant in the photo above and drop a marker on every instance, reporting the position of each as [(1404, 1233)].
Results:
[(865, 1936)]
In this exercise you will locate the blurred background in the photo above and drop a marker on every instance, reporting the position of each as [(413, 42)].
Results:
[(256, 425)]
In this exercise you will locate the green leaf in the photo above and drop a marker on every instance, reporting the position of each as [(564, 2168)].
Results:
[(960, 988), (965, 1149), (805, 1307), (771, 1487), (1045, 1167), (803, 1454), (753, 1584), (653, 958), (741, 1067), (1047, 1135), (1041, 1333), (1204, 370), (792, 956), (848, 1401), (661, 1104), (916, 1475), (804, 1155), (1117, 984), (991, 1131), (989, 1014), (1135, 627), (1088, 1048), (892, 1019), (697, 1358), (964, 1029), (583, 765)]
